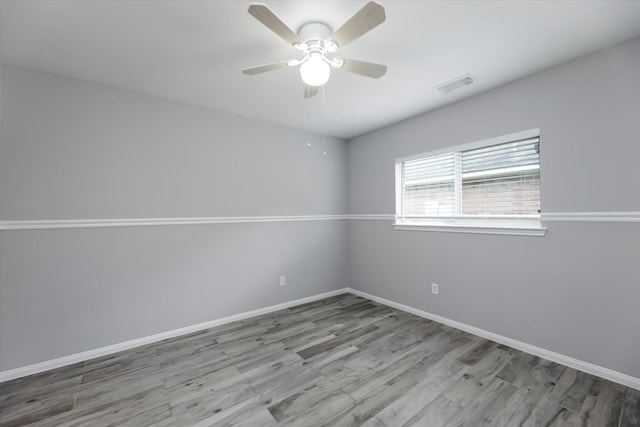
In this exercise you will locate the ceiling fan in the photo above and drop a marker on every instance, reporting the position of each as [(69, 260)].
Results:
[(316, 41)]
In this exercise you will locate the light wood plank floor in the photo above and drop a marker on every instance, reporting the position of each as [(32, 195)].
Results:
[(341, 361)]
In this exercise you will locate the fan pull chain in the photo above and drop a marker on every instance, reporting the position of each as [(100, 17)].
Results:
[(309, 115), (324, 127)]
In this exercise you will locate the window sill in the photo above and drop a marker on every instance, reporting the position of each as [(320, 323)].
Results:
[(528, 228)]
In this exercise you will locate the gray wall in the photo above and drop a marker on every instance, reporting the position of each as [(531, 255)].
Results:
[(575, 291), (73, 150), (76, 150)]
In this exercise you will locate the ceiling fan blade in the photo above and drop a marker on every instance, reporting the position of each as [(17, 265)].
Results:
[(367, 69), (366, 19), (310, 91), (263, 14), (264, 68)]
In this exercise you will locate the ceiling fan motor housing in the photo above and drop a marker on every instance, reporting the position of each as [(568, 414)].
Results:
[(314, 31), (316, 41)]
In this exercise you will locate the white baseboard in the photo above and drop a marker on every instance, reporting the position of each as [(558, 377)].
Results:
[(571, 362), (580, 365), (127, 345)]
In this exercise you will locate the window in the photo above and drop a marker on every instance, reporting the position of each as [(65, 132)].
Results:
[(490, 186)]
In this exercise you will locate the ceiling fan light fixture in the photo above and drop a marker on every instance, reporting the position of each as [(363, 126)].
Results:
[(315, 71), (315, 40)]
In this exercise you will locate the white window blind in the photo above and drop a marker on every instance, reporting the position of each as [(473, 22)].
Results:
[(497, 178), (502, 179), (429, 186)]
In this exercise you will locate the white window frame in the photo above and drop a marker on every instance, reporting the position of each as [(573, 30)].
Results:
[(521, 226)]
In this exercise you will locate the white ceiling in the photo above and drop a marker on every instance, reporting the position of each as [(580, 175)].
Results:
[(193, 51)]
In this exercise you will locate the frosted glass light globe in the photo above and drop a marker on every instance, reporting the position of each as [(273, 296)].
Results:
[(315, 71)]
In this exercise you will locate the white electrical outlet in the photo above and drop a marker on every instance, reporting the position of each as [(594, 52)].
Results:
[(434, 288), (283, 280)]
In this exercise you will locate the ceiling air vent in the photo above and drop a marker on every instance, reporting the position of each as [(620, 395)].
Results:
[(456, 83)]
